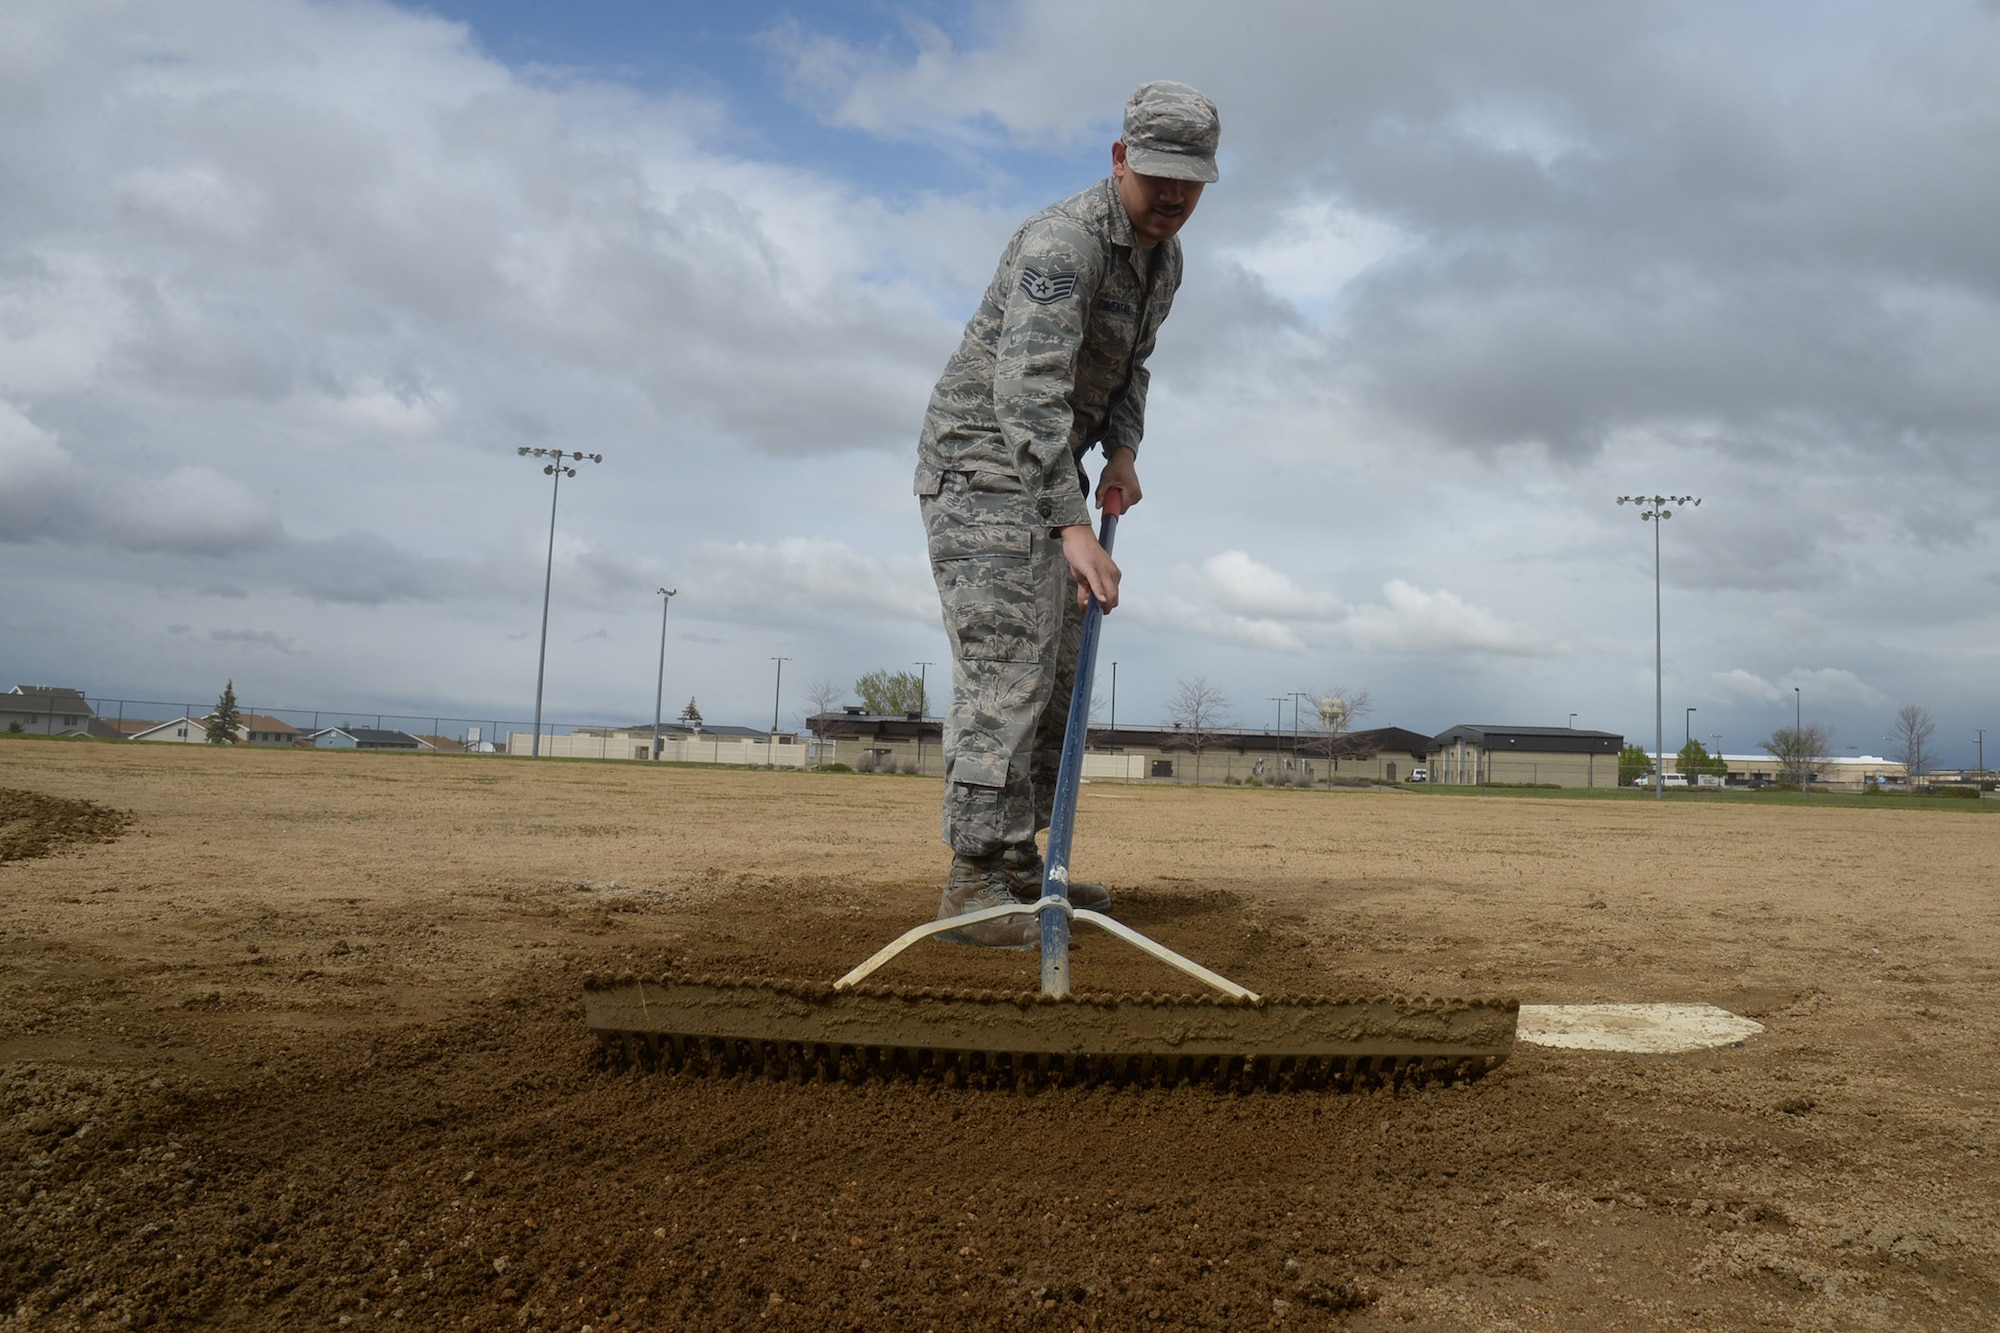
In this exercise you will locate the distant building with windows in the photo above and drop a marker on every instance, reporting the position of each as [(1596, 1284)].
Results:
[(1475, 754), (45, 710)]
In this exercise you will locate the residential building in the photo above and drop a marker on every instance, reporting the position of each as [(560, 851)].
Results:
[(362, 738), (45, 710), (180, 731)]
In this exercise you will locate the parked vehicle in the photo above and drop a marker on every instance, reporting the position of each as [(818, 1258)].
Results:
[(1420, 774)]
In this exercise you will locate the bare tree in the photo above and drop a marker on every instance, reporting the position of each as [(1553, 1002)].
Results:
[(822, 695), (1912, 736), (1198, 711), (1334, 714), (1800, 751), (1094, 734)]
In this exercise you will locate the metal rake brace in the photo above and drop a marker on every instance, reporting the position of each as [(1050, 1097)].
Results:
[(1054, 907)]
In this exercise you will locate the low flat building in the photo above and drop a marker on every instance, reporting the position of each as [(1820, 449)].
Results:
[(1477, 754), (905, 742)]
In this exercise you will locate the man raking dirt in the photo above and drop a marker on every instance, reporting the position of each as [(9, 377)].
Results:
[(1053, 362)]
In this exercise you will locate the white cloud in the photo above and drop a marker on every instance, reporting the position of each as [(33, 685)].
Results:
[(1822, 687), (812, 578), (1736, 683), (1233, 598), (1412, 620)]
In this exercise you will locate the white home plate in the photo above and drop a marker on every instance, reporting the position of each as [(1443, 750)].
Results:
[(1650, 1029)]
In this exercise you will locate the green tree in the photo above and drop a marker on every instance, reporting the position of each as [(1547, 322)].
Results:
[(226, 718), (884, 691), (1694, 760), (691, 716), (1632, 761)]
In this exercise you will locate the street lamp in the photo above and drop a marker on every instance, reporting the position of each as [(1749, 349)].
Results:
[(667, 596), (1298, 731), (1657, 511), (558, 467), (777, 688), (1278, 734), (923, 707), (1114, 708), (1687, 727)]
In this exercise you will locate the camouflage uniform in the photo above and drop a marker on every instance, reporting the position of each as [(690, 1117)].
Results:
[(1053, 362)]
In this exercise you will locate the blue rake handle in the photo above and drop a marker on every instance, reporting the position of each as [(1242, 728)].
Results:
[(1069, 778)]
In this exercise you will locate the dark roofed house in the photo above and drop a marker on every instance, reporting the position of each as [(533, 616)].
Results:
[(259, 729), (1469, 754), (45, 710)]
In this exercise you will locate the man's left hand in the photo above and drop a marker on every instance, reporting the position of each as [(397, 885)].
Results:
[(1122, 471)]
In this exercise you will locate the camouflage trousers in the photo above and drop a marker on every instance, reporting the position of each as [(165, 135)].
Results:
[(1010, 613)]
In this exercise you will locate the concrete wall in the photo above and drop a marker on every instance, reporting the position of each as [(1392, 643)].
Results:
[(636, 745)]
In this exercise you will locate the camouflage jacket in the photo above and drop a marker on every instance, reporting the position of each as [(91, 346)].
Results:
[(1054, 359)]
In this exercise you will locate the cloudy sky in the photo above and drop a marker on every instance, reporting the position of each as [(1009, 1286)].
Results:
[(284, 286)]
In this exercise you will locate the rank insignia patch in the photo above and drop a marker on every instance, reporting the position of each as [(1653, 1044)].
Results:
[(1043, 288)]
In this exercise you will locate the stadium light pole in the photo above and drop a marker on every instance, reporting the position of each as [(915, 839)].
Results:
[(1278, 733), (1687, 728), (1799, 737), (558, 467), (923, 707), (1657, 510), (1980, 741), (667, 596)]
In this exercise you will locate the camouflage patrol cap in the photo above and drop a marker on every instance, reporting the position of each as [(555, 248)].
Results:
[(1171, 130)]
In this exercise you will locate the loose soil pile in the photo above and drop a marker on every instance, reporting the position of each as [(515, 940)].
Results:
[(32, 824), (304, 1050)]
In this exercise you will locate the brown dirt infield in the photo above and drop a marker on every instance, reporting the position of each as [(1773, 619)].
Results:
[(303, 1049)]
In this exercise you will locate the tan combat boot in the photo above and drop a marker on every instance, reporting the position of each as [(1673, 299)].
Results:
[(1024, 868), (979, 882)]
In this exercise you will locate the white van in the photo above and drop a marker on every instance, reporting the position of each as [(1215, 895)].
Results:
[(1420, 774)]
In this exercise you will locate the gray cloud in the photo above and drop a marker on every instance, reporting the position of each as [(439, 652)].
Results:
[(283, 284)]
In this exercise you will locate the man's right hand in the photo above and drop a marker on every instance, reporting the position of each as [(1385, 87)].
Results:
[(1091, 566)]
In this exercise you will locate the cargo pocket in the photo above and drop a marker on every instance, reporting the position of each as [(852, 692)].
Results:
[(992, 589)]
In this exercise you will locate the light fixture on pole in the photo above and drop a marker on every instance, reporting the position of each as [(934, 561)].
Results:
[(1297, 729), (667, 596), (558, 467), (1114, 707), (1799, 739), (1278, 734), (1687, 728), (1657, 510), (923, 707), (777, 691), (1980, 741)]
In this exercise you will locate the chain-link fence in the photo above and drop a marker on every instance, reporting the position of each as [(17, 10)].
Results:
[(273, 724)]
